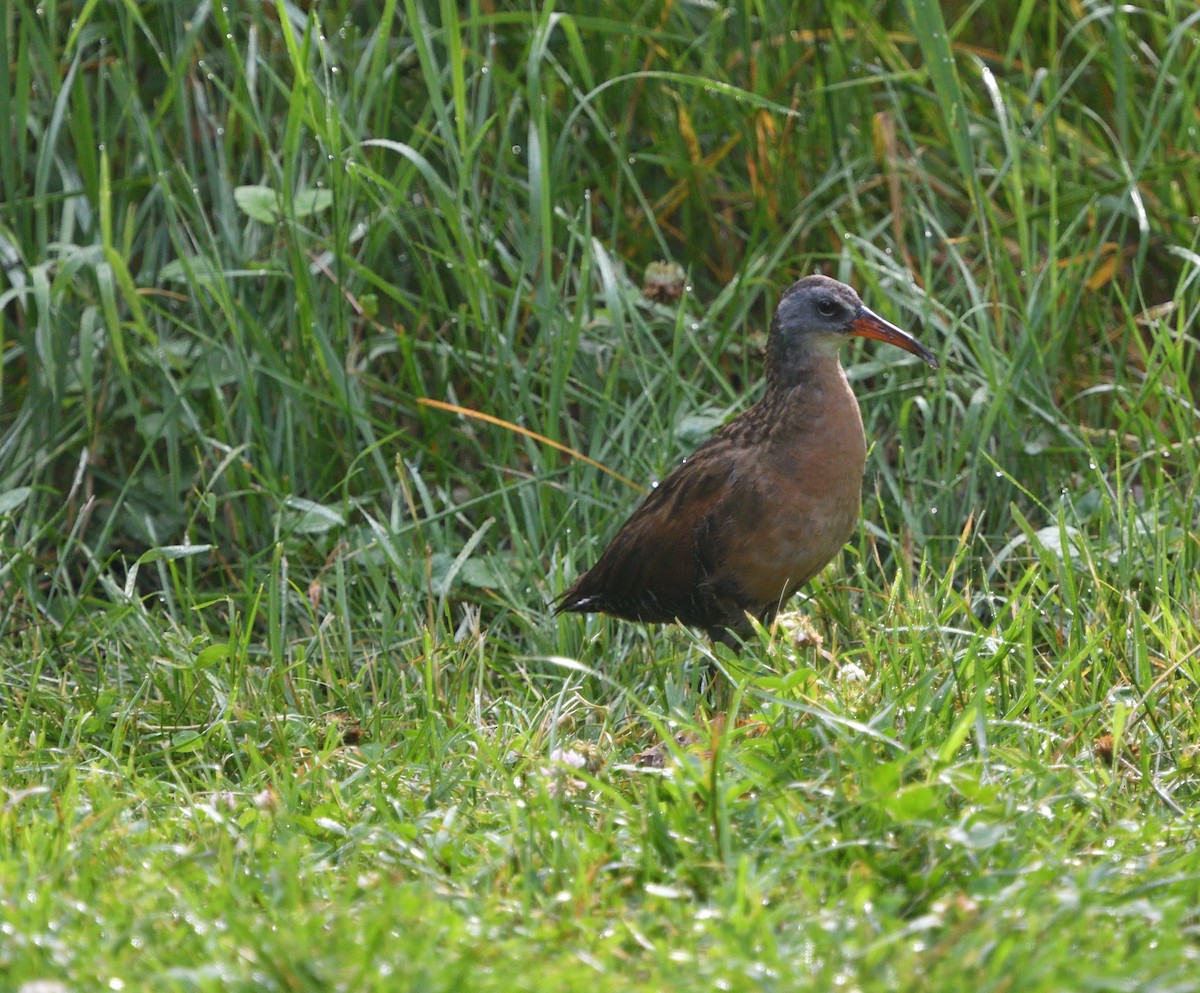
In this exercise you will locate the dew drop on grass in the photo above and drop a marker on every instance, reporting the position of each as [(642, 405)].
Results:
[(516, 149)]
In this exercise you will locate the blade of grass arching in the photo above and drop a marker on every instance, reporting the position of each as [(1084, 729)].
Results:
[(452, 39), (421, 32), (16, 71), (567, 342), (114, 274), (1172, 102), (48, 157), (300, 115), (1009, 175), (930, 29), (373, 75), (333, 331), (541, 195), (1020, 23)]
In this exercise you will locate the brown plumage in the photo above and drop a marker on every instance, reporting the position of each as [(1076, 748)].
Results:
[(760, 508)]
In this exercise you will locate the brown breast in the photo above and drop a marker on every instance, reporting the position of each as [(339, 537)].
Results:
[(808, 473)]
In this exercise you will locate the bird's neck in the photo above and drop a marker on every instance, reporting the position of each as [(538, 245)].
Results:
[(790, 367), (792, 364), (810, 397)]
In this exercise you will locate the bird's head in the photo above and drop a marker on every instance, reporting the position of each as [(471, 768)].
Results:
[(817, 313)]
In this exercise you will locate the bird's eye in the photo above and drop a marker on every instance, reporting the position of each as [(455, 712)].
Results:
[(825, 306)]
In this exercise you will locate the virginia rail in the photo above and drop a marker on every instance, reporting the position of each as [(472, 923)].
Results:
[(762, 506)]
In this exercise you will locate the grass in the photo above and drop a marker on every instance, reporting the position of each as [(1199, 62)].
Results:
[(283, 705)]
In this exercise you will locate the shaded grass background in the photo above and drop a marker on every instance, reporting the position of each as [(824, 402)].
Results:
[(280, 689)]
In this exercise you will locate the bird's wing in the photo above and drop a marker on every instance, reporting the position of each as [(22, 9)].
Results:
[(660, 564)]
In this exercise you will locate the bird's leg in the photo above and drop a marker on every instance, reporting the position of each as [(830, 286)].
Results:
[(716, 686)]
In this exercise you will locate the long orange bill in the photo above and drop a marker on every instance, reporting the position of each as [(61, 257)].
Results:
[(870, 325)]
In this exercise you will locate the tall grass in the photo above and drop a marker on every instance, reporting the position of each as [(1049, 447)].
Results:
[(263, 608)]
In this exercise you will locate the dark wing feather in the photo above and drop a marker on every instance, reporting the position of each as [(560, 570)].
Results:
[(660, 566)]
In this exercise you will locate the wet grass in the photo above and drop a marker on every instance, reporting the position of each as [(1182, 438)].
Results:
[(283, 705)]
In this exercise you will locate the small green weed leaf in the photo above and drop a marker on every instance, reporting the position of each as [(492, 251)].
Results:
[(977, 835), (10, 500), (918, 802), (310, 517), (446, 568), (479, 572), (170, 553), (885, 778), (696, 428), (192, 269), (187, 741), (962, 727), (442, 578), (1051, 539), (212, 655), (309, 202), (258, 202)]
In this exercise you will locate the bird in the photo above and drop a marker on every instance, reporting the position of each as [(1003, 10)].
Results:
[(760, 508)]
